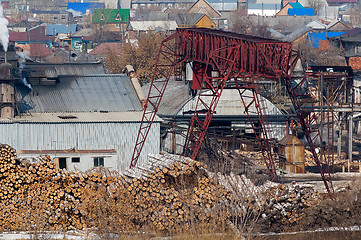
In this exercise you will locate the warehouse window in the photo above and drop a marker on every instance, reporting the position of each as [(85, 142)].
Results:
[(98, 161), (75, 160)]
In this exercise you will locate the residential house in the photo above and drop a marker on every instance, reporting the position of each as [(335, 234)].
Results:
[(36, 51), (194, 20), (350, 15), (21, 26), (289, 5), (320, 39), (328, 25), (115, 20), (18, 37), (38, 35), (202, 6), (301, 12), (83, 39), (104, 49), (298, 37), (350, 43)]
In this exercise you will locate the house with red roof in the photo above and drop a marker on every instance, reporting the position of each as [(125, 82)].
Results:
[(105, 48)]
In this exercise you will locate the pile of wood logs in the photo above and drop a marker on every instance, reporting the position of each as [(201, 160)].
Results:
[(169, 193), (285, 205), (165, 194)]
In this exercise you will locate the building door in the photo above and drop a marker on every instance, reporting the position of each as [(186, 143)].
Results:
[(62, 163)]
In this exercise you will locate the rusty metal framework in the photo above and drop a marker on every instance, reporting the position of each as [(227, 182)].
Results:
[(222, 60)]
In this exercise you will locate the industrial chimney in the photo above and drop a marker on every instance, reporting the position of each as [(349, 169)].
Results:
[(7, 92)]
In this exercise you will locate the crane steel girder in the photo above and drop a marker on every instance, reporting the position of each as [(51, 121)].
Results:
[(239, 60)]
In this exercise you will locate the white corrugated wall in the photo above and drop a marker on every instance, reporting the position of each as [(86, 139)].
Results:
[(84, 136)]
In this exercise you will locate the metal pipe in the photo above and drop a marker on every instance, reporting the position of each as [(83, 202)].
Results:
[(350, 130)]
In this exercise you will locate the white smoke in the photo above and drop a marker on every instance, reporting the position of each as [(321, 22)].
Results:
[(22, 59), (4, 31), (25, 82), (23, 56)]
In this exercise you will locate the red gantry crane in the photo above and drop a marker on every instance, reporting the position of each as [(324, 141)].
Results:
[(221, 60)]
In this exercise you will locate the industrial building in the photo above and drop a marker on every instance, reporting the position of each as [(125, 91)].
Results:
[(83, 121)]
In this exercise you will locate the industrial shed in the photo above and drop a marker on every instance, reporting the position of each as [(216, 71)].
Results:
[(178, 105), (92, 117)]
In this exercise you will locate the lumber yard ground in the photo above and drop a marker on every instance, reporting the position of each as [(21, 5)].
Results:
[(171, 197)]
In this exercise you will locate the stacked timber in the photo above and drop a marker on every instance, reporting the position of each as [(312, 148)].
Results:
[(165, 194), (168, 193), (285, 205)]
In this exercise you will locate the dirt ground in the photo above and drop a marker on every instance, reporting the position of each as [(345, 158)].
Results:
[(330, 235)]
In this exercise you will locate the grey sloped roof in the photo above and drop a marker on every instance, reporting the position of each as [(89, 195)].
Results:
[(89, 93), (175, 96), (188, 18), (296, 34), (68, 68)]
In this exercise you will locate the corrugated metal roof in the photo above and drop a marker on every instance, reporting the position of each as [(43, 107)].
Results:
[(230, 103), (296, 5), (188, 19), (316, 25), (153, 25), (296, 34), (175, 96), (105, 92), (80, 117), (316, 37), (68, 69), (301, 12), (54, 29)]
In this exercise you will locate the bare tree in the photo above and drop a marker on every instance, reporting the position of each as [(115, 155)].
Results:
[(316, 5), (243, 24), (142, 56)]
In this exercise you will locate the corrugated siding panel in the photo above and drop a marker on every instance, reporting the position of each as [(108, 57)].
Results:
[(85, 136)]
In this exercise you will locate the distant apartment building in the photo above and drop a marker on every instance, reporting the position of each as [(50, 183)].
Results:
[(21, 6), (59, 17)]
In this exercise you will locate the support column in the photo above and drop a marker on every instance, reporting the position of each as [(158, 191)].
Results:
[(350, 130)]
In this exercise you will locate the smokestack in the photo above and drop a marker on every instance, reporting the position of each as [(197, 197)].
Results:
[(7, 92), (6, 56)]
